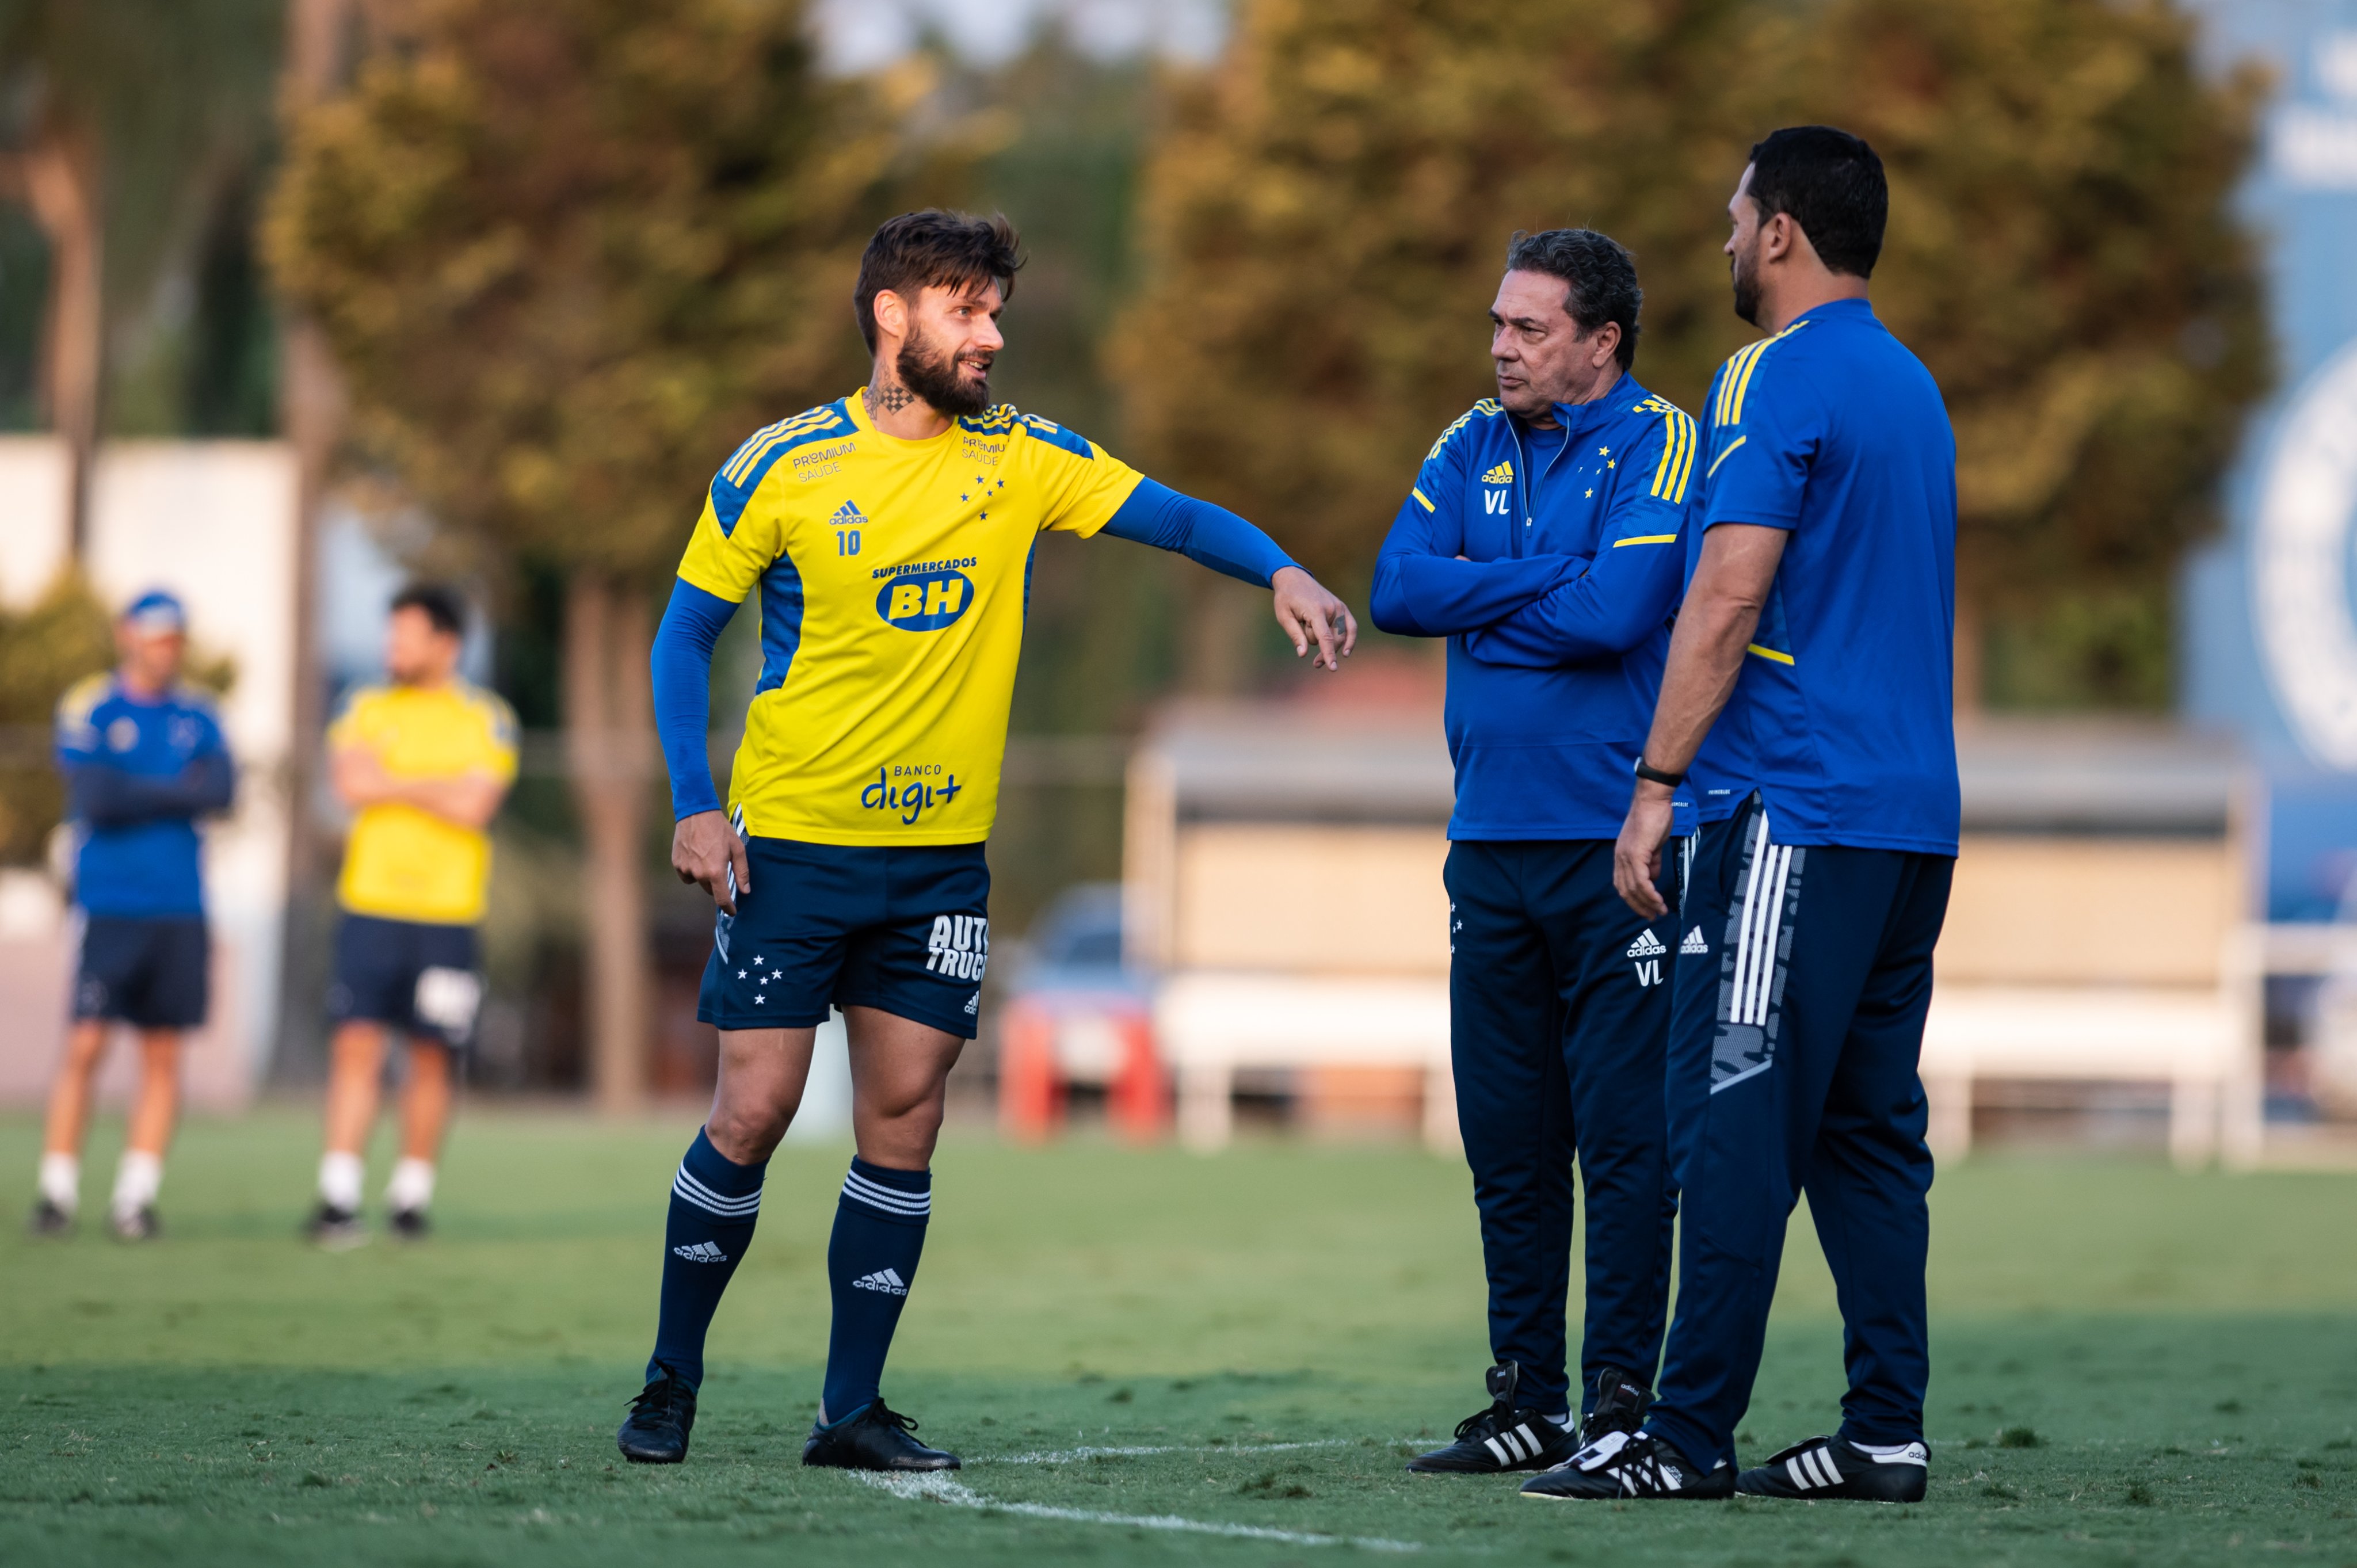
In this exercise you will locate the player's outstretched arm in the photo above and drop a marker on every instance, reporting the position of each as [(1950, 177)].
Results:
[(704, 849), (1217, 538)]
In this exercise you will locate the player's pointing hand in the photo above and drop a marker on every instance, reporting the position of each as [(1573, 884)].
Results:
[(1309, 613)]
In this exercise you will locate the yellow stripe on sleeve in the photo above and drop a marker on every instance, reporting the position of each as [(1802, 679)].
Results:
[(1646, 538), (1669, 453), (1420, 496), (1723, 456), (1685, 460), (1768, 653)]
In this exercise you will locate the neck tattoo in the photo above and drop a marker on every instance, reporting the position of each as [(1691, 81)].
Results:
[(890, 399)]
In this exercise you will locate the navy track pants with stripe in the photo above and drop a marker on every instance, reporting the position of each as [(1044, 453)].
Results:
[(1559, 1015), (1803, 978)]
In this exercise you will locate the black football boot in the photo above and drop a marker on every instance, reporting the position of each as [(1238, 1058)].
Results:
[(876, 1439), (1502, 1438), (1621, 1405), (1643, 1467), (1827, 1469), (655, 1432)]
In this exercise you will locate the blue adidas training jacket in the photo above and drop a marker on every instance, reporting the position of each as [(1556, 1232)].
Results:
[(1557, 618)]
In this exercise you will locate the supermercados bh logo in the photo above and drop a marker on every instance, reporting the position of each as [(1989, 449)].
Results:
[(2304, 607), (924, 595)]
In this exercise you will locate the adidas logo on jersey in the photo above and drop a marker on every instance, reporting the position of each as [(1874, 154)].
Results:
[(885, 1280), (1503, 474), (702, 1252), (1647, 946), (1692, 944), (848, 515)]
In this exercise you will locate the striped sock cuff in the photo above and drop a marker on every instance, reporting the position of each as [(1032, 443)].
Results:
[(904, 1195), (717, 1185)]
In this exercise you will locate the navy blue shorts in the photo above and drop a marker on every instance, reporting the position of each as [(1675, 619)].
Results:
[(150, 971), (417, 977), (904, 931)]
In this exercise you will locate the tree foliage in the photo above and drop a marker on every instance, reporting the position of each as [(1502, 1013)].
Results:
[(1326, 220), (569, 253)]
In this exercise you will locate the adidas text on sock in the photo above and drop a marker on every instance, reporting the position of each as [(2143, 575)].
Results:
[(871, 1264), (714, 1205)]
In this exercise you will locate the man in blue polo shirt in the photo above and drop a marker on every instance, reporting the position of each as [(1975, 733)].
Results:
[(143, 758), (1809, 696), (1542, 538)]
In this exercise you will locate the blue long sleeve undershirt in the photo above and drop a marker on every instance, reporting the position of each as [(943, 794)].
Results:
[(1207, 535), (681, 666), (108, 796)]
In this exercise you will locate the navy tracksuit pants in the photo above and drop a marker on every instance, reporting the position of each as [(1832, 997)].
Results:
[(1801, 987), (1559, 1014)]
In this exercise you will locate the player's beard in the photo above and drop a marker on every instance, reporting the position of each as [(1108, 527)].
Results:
[(1743, 270), (933, 373)]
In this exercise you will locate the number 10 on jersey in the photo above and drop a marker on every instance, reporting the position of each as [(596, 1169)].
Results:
[(846, 542)]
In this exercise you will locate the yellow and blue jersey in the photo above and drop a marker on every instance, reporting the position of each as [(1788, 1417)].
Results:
[(1556, 618), (1843, 717), (892, 577), (402, 863)]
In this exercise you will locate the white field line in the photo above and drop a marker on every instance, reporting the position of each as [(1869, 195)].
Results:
[(1073, 1455), (937, 1488)]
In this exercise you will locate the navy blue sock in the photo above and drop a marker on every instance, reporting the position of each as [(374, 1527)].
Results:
[(713, 1202), (871, 1262)]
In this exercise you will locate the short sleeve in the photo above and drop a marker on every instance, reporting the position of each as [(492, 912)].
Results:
[(731, 547), (1766, 429), (1084, 484), (349, 728), (499, 735)]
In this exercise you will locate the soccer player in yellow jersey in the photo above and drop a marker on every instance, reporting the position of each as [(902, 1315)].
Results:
[(424, 762), (888, 535)]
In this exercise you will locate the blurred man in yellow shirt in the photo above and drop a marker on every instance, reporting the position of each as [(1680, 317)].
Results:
[(424, 760)]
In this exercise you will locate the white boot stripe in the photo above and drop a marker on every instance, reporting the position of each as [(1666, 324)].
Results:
[(1800, 1478), (1497, 1449)]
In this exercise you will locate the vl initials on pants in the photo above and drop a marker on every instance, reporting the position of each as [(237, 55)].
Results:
[(1803, 980)]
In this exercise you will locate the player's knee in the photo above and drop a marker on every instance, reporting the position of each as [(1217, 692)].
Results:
[(746, 1134)]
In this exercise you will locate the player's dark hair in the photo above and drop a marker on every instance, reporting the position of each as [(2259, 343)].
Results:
[(437, 603), (934, 249), (1600, 275), (1832, 185)]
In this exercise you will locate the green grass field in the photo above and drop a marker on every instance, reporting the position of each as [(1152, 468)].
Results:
[(1143, 1357)]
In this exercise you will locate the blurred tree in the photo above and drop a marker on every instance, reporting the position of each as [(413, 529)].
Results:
[(62, 637), (1326, 218), (568, 254), (120, 120)]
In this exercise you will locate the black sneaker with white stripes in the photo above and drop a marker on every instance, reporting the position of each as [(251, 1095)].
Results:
[(1827, 1469), (1619, 1465), (1505, 1437), (1619, 1406)]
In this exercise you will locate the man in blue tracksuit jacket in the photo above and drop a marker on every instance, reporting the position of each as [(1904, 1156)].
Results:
[(1543, 539)]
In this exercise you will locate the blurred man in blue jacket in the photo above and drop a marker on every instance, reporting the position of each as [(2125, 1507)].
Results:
[(143, 758), (1543, 538)]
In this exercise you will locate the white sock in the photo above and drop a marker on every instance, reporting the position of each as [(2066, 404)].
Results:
[(1566, 1421), (340, 1177), (136, 1181), (1886, 1449), (412, 1187), (61, 1180)]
